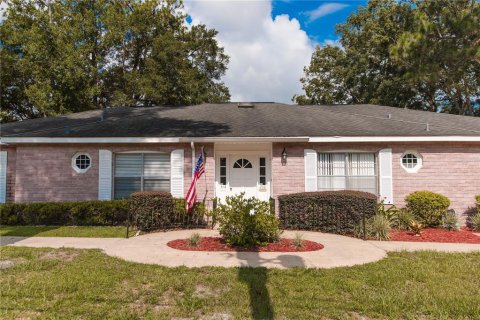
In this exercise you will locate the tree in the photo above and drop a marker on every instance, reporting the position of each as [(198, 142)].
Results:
[(380, 61), (69, 56)]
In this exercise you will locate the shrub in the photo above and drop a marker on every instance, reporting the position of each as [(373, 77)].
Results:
[(403, 219), (298, 241), (477, 198), (450, 220), (80, 213), (427, 207), (475, 222), (330, 211), (376, 227), (194, 239), (247, 222), (159, 210)]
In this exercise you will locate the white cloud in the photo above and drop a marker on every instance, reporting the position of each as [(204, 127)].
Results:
[(267, 55), (324, 10)]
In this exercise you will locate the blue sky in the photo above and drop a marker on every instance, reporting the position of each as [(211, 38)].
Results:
[(269, 42), (317, 18)]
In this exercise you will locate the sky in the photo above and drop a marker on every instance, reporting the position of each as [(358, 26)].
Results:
[(270, 42)]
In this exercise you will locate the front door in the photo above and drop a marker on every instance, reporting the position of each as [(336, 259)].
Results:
[(247, 173)]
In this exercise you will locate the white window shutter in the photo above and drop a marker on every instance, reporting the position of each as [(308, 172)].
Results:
[(104, 175), (310, 157), (3, 176), (386, 175), (176, 173)]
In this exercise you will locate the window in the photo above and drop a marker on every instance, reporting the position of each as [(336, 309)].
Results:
[(411, 161), (81, 162), (347, 171), (263, 172), (141, 172), (223, 171), (242, 163)]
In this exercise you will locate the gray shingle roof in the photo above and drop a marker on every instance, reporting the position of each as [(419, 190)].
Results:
[(264, 120)]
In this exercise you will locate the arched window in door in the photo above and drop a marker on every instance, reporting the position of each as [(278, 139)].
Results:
[(242, 163)]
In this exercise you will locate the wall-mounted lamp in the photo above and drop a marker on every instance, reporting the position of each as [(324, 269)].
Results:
[(284, 157)]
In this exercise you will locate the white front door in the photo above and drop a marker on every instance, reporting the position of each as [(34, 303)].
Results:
[(248, 173)]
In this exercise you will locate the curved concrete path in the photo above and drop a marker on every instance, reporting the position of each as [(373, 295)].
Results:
[(339, 251)]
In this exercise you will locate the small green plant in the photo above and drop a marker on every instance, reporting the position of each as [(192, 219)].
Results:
[(247, 222), (194, 239), (298, 241), (403, 219), (390, 212), (450, 221), (475, 222), (427, 207), (377, 227)]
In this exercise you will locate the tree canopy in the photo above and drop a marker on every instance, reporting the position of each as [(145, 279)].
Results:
[(68, 56), (419, 54)]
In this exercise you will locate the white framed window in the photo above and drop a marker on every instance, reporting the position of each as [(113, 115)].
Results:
[(223, 171), (140, 172), (411, 161), (81, 162), (347, 171)]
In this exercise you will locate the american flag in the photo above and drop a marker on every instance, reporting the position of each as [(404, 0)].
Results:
[(192, 191)]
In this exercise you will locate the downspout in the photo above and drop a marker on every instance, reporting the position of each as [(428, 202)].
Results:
[(192, 147)]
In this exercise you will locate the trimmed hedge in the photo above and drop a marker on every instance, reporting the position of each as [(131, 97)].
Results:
[(159, 210), (79, 213), (330, 211)]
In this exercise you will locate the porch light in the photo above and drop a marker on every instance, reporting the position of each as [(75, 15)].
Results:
[(284, 157)]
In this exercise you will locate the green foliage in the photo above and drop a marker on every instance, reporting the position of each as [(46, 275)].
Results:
[(419, 54), (403, 219), (247, 222), (475, 222), (477, 198), (427, 207), (194, 239), (450, 221), (298, 241), (159, 210), (332, 211), (378, 227), (81, 213), (68, 56)]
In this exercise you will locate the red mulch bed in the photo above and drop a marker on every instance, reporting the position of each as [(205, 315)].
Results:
[(218, 244), (436, 235)]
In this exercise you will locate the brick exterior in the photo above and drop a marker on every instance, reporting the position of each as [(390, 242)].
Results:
[(452, 169), (39, 173), (44, 172)]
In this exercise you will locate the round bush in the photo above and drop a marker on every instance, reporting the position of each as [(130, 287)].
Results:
[(247, 222), (427, 207)]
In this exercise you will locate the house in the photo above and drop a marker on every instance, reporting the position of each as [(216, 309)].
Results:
[(262, 149)]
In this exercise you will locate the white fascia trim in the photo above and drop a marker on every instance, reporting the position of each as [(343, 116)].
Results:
[(151, 140), (397, 139), (6, 140)]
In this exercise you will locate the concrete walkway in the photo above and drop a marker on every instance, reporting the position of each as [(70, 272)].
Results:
[(339, 251)]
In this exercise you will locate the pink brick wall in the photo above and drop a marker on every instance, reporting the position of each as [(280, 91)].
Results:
[(44, 172), (452, 169)]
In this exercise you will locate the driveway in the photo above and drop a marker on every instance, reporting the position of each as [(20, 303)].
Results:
[(339, 251)]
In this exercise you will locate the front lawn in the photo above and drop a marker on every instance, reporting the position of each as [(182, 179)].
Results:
[(64, 231), (68, 283)]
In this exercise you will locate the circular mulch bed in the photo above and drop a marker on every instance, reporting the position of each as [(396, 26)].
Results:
[(436, 235), (218, 244)]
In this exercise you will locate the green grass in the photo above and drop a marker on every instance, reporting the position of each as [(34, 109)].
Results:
[(65, 231), (87, 284)]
